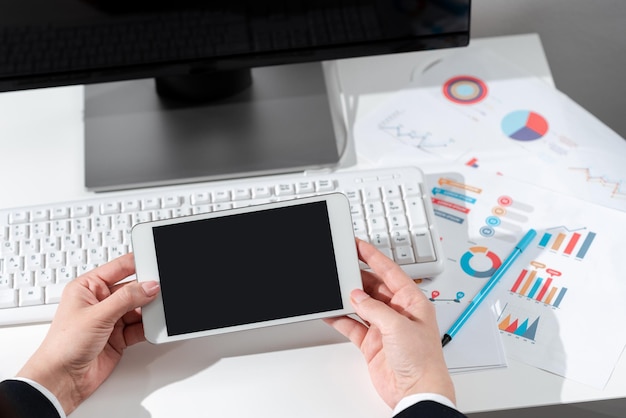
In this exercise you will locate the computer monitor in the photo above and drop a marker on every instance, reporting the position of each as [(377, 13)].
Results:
[(190, 90)]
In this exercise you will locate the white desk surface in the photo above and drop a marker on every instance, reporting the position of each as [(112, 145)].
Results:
[(304, 370)]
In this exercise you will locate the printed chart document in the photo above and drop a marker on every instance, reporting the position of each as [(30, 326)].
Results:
[(475, 108), (521, 155), (561, 299)]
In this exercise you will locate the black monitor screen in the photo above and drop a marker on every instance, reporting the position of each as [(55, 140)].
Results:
[(57, 42), (240, 88)]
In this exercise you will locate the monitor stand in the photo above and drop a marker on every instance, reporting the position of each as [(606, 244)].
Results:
[(284, 122)]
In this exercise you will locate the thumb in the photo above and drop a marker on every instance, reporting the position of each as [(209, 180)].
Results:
[(373, 311), (126, 298)]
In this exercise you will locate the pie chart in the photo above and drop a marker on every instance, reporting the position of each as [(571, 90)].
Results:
[(524, 125)]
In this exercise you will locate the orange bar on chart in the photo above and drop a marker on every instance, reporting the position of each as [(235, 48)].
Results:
[(531, 277), (558, 241), (550, 296)]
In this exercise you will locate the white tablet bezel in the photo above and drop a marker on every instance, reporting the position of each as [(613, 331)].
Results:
[(340, 220)]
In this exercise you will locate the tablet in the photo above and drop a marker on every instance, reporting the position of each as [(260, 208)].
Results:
[(248, 267)]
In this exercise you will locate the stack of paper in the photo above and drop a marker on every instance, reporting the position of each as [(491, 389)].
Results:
[(506, 152)]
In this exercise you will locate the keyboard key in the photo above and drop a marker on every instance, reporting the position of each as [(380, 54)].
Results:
[(38, 215), (400, 238), (101, 223), (55, 259), (50, 244), (13, 263), (64, 275), (392, 192), (380, 240), (60, 227), (9, 248), (40, 229), (53, 293), (285, 190), (19, 217), (19, 231), (29, 246), (44, 277), (261, 192), (305, 187), (222, 196), (60, 213), (200, 198), (423, 246), (411, 190), (34, 261), (151, 203), (325, 186), (242, 194), (416, 212), (395, 206), (80, 211), (23, 279), (30, 296), (109, 208), (172, 202), (404, 255), (6, 281), (375, 209), (131, 205), (371, 194), (97, 255), (377, 224), (8, 298)]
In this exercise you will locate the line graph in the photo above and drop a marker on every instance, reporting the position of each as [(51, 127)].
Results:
[(614, 186), (414, 137)]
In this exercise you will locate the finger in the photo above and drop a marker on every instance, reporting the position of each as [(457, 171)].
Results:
[(131, 317), (350, 328), (374, 286), (134, 334), (389, 272), (115, 270), (375, 312), (125, 299)]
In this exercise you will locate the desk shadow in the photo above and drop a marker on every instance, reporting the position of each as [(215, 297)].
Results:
[(146, 368)]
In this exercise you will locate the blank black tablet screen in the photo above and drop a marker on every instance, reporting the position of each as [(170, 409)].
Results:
[(247, 268)]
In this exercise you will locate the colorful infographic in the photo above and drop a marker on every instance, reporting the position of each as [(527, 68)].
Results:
[(536, 283), (520, 326), (465, 89), (524, 125), (568, 243), (478, 252)]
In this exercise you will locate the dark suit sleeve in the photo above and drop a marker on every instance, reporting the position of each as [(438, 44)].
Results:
[(20, 400), (429, 409)]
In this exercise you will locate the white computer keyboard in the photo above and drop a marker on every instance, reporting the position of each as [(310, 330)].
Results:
[(42, 248)]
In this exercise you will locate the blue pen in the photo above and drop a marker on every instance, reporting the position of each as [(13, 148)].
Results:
[(519, 248)]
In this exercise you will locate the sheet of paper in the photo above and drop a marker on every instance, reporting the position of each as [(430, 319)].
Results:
[(561, 299), (479, 347), (475, 108)]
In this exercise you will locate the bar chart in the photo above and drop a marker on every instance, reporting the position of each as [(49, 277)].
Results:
[(568, 243), (536, 284)]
